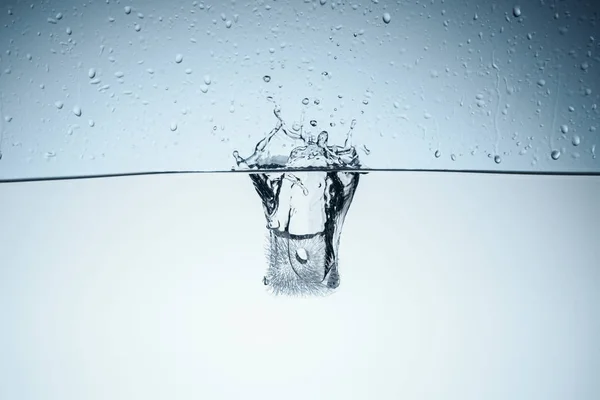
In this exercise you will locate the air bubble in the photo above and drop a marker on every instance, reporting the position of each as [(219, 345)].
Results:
[(517, 11), (178, 58), (387, 18), (305, 101), (555, 154), (267, 78), (77, 111)]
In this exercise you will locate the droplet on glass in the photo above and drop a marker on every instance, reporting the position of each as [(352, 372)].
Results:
[(127, 10), (437, 154), (91, 123), (173, 126), (228, 23), (387, 18), (313, 123), (555, 154), (564, 129), (305, 101), (497, 159), (178, 58), (92, 73), (207, 79), (453, 157), (77, 111), (517, 11), (68, 30), (576, 140), (267, 78), (58, 104), (137, 27)]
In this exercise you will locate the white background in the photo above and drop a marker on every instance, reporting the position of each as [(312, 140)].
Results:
[(453, 287)]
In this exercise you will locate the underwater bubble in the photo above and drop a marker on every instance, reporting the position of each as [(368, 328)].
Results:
[(555, 154), (387, 18)]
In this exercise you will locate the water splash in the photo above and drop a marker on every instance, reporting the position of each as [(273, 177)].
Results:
[(306, 196)]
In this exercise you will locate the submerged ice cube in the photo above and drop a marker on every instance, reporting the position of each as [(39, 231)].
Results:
[(306, 196)]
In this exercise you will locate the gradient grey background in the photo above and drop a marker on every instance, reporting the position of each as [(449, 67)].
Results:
[(467, 78), (453, 287)]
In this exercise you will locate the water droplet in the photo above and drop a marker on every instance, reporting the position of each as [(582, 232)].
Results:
[(387, 18), (571, 109), (313, 123), (228, 23), (68, 30), (91, 123), (584, 66), (555, 154), (188, 71), (323, 2), (541, 83), (119, 74), (127, 10), (207, 79), (204, 88), (576, 140), (302, 254), (265, 280), (437, 154), (173, 126), (517, 11), (305, 101), (267, 78), (59, 104), (497, 159), (564, 129), (137, 27), (178, 58), (59, 16), (92, 73), (453, 157), (317, 102), (77, 111)]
